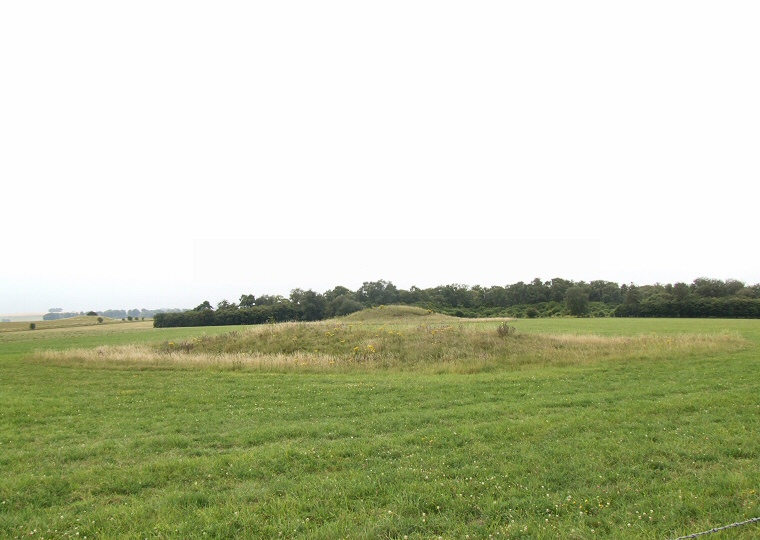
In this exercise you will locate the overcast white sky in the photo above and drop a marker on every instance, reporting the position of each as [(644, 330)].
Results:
[(161, 153)]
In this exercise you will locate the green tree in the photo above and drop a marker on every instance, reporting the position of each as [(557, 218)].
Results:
[(733, 287), (374, 293), (576, 300), (558, 286), (605, 291), (632, 296), (681, 291), (710, 288), (224, 305), (495, 296), (539, 291), (414, 295), (517, 293), (455, 295), (752, 291), (205, 306), (310, 305), (343, 305), (269, 300), (336, 292)]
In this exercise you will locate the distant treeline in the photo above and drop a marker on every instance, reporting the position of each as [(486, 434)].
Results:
[(557, 297), (110, 313)]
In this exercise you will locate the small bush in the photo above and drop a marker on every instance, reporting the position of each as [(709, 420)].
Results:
[(505, 330), (32, 326)]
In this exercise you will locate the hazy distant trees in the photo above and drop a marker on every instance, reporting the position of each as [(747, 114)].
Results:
[(55, 315)]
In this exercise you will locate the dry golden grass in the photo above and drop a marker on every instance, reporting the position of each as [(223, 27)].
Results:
[(141, 356)]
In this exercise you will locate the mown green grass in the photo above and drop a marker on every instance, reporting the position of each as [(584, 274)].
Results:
[(640, 446)]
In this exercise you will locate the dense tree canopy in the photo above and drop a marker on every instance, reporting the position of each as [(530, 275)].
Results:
[(702, 298)]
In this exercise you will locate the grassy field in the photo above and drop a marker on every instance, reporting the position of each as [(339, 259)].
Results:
[(386, 424), (69, 322)]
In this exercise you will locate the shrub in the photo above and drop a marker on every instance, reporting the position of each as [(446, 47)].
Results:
[(32, 326), (504, 330)]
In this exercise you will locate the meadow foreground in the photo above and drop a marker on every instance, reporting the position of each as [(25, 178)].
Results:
[(386, 424)]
